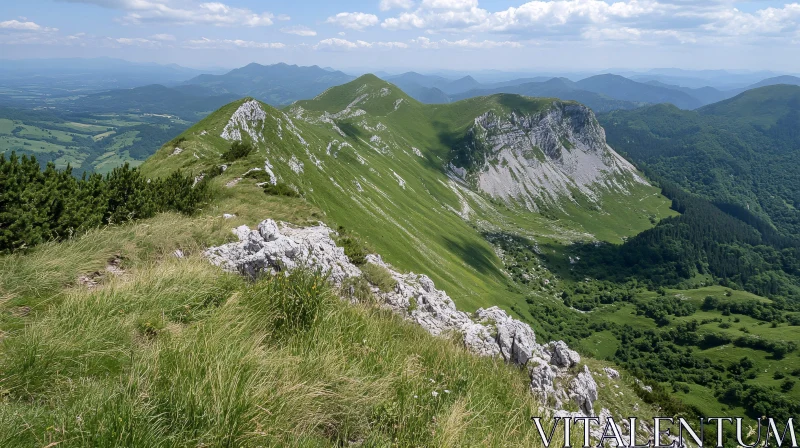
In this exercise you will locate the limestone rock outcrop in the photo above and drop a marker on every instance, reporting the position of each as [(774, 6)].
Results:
[(273, 248), (542, 157)]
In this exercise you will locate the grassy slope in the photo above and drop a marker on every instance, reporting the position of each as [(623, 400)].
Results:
[(413, 227), (176, 353)]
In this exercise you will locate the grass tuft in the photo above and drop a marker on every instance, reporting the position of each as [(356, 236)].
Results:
[(379, 276)]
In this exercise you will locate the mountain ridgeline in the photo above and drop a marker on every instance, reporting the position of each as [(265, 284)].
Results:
[(602, 93), (514, 201), (277, 84), (378, 161)]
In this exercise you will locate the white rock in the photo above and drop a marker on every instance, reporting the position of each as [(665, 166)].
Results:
[(272, 249), (611, 373), (250, 118), (535, 162), (562, 356), (583, 391), (228, 216)]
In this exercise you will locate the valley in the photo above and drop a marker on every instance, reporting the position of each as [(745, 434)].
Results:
[(86, 142)]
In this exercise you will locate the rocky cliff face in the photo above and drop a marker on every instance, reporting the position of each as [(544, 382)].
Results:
[(541, 158)]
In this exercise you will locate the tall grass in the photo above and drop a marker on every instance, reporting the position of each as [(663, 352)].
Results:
[(176, 353)]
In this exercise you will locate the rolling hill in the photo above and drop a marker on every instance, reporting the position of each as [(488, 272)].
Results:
[(621, 88)]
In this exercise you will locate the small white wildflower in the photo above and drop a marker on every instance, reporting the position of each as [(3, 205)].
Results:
[(435, 394), (446, 391), (432, 380), (415, 396)]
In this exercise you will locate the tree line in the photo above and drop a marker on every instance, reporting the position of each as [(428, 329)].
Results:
[(39, 205), (738, 250)]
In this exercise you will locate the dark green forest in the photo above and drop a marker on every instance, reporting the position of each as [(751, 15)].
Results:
[(44, 205), (739, 153), (736, 248)]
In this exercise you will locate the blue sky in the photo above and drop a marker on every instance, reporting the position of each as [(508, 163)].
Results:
[(416, 34)]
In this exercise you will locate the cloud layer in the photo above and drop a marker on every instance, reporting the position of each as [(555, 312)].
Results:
[(184, 12), (648, 26)]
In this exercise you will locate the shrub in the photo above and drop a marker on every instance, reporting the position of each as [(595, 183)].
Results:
[(213, 172), (281, 189), (237, 151), (40, 205), (379, 276), (258, 176), (355, 249)]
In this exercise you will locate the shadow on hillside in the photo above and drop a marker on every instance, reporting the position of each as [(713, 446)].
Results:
[(448, 139), (350, 130), (478, 257)]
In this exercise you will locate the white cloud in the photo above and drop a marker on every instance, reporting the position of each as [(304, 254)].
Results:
[(768, 21), (163, 37), (391, 4), (205, 43), (353, 20), (391, 44), (449, 20), (596, 20), (637, 35), (184, 12), (25, 26), (335, 43), (425, 42), (299, 30), (283, 17), (534, 16), (136, 41), (450, 4)]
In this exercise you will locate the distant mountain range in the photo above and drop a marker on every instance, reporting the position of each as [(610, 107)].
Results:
[(277, 85), (48, 78), (602, 93), (187, 93)]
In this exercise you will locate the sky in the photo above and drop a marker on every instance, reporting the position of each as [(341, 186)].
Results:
[(412, 34)]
